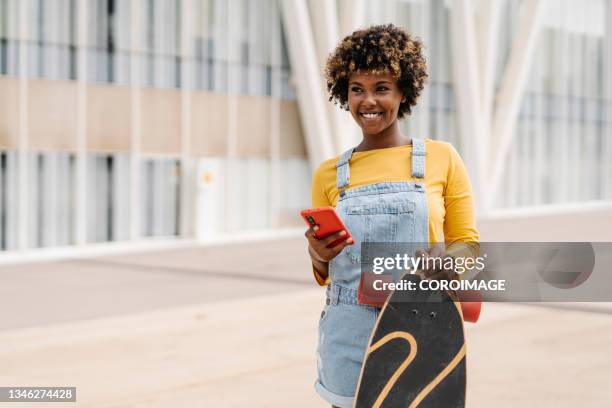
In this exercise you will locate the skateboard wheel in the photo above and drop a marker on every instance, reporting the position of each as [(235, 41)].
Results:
[(471, 304), (471, 311)]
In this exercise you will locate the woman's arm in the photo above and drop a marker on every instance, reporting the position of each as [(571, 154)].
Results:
[(320, 267), (318, 250), (321, 252), (459, 220), (460, 234)]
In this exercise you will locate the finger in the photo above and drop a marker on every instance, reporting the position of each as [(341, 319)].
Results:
[(340, 246), (346, 242), (428, 273), (437, 276), (435, 251), (420, 253), (433, 266), (333, 237), (310, 233), (441, 275)]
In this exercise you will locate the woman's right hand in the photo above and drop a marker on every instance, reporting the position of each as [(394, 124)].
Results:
[(321, 250)]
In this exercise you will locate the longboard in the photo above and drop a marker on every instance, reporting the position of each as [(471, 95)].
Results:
[(416, 354)]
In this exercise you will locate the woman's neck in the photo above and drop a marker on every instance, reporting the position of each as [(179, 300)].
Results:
[(390, 137)]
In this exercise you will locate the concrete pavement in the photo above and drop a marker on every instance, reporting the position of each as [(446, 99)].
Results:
[(44, 293), (254, 346)]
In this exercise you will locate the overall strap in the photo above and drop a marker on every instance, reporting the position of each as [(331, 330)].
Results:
[(342, 169), (418, 158)]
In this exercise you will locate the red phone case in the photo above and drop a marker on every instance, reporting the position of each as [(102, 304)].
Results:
[(328, 221)]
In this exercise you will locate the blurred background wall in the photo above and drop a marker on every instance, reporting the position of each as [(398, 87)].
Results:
[(125, 120)]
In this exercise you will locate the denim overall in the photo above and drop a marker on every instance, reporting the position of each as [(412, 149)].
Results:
[(381, 212)]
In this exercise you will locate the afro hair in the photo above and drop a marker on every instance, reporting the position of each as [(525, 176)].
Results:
[(378, 49)]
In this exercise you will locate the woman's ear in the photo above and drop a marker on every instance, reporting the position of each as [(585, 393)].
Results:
[(404, 99)]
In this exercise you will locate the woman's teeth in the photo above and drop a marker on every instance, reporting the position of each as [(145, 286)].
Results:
[(370, 115)]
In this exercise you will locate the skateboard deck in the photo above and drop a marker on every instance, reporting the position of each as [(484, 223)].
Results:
[(416, 355)]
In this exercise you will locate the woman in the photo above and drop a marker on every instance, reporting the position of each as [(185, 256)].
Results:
[(389, 188)]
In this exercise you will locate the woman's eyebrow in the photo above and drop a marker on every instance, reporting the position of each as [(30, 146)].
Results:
[(377, 83)]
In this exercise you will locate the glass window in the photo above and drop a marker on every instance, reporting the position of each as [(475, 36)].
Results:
[(108, 197), (51, 203), (161, 43), (52, 39), (160, 197), (9, 37), (109, 41), (9, 178)]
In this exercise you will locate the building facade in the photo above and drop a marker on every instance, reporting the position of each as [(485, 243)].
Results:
[(122, 120)]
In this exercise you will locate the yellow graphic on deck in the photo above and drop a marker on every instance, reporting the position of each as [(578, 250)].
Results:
[(412, 354)]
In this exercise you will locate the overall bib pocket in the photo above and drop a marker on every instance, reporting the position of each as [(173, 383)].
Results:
[(378, 222)]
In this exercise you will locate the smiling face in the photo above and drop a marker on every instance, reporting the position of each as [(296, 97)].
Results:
[(374, 100)]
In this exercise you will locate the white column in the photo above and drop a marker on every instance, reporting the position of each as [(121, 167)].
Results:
[(538, 171), (232, 32), (424, 101), (135, 84), (352, 16), (591, 155), (325, 27), (50, 192), (607, 117), (488, 44), (468, 95), (161, 20), (158, 186), (438, 70), (81, 133), (23, 146), (324, 20), (275, 101), (511, 91), (310, 96), (187, 189), (563, 70)]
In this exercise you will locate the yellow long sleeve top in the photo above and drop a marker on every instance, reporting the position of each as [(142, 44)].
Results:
[(449, 193)]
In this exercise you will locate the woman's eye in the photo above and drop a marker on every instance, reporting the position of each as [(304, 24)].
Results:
[(383, 88), (356, 89)]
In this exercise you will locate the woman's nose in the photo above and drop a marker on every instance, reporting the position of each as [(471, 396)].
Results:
[(369, 99)]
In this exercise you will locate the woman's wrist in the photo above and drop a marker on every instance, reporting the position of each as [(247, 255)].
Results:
[(321, 266), (313, 256)]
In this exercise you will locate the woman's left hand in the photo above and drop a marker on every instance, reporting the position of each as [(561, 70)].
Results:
[(431, 271)]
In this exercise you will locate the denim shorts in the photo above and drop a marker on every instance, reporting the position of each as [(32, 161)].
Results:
[(345, 328)]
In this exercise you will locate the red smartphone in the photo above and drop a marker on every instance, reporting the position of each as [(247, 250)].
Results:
[(328, 221)]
